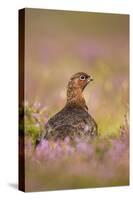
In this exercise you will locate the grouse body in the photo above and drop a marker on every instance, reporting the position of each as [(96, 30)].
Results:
[(73, 120)]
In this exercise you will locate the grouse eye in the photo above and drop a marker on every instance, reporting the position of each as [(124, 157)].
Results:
[(82, 77)]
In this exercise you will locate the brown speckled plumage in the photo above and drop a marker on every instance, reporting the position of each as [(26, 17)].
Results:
[(74, 119)]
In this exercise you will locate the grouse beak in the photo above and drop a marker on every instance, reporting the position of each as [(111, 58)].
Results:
[(90, 79)]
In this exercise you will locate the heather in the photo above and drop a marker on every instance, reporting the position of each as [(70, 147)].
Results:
[(78, 163)]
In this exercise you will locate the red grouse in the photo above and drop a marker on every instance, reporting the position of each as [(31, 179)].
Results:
[(73, 120)]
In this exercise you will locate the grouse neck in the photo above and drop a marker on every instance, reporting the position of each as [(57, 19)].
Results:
[(75, 96)]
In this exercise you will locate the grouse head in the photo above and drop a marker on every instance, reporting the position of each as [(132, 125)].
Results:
[(75, 87), (80, 80)]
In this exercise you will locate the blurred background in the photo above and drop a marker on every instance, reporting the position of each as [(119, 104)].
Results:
[(61, 43)]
